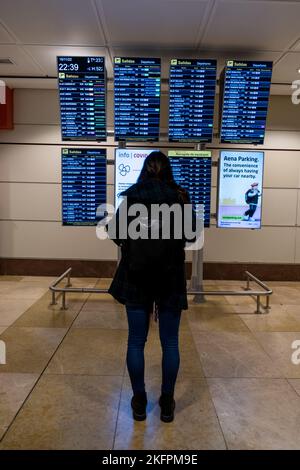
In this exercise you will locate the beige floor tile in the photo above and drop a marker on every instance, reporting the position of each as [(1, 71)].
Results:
[(103, 303), (195, 425), (23, 291), (277, 319), (109, 317), (190, 365), (84, 281), (278, 346), (11, 278), (44, 315), (14, 388), (251, 308), (29, 349), (100, 297), (210, 319), (43, 280), (2, 328), (8, 286), (233, 354), (293, 310), (11, 310), (295, 383), (257, 413), (240, 300), (91, 352), (103, 283), (212, 302), (67, 412)]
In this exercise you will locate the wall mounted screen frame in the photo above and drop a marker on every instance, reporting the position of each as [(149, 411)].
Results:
[(84, 185), (244, 99), (137, 89), (192, 90), (192, 169), (82, 98)]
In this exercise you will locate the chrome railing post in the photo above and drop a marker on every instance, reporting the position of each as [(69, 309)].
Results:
[(53, 298), (258, 304), (63, 301), (69, 284)]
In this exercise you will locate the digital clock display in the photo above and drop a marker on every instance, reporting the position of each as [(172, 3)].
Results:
[(82, 93)]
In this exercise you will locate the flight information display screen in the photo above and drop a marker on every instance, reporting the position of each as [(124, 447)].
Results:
[(137, 99), (83, 185), (192, 171), (82, 94), (192, 99), (246, 92)]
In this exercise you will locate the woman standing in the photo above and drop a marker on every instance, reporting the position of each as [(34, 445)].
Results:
[(152, 273)]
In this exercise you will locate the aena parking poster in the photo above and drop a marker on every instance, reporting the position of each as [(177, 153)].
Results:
[(240, 189)]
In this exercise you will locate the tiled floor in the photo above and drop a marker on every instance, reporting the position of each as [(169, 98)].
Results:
[(65, 383)]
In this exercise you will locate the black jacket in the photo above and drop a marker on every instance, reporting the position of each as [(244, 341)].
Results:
[(127, 290)]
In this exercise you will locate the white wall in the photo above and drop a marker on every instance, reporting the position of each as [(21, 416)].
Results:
[(30, 189)]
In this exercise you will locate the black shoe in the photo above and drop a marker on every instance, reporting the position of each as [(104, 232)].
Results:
[(138, 405), (167, 404)]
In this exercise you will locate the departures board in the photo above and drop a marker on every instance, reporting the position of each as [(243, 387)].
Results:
[(82, 94), (192, 87), (192, 171), (83, 185), (137, 98), (246, 89)]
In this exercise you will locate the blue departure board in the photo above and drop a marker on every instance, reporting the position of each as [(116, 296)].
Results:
[(192, 171), (246, 91), (82, 93), (137, 98), (83, 185), (192, 99)]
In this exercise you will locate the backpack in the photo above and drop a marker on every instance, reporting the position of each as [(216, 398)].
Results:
[(151, 260)]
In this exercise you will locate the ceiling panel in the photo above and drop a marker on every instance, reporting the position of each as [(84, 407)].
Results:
[(46, 55), (253, 25), (52, 21), (155, 22), (286, 70), (5, 37), (23, 65)]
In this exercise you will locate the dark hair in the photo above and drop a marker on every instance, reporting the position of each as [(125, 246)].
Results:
[(157, 166)]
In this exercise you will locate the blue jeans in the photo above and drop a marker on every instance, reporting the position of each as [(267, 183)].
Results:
[(138, 322)]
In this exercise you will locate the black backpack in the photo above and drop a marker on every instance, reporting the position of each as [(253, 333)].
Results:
[(152, 260)]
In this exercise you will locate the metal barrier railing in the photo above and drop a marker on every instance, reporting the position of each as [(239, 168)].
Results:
[(266, 292)]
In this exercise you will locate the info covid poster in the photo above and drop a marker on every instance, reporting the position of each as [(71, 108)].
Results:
[(240, 189), (128, 165)]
